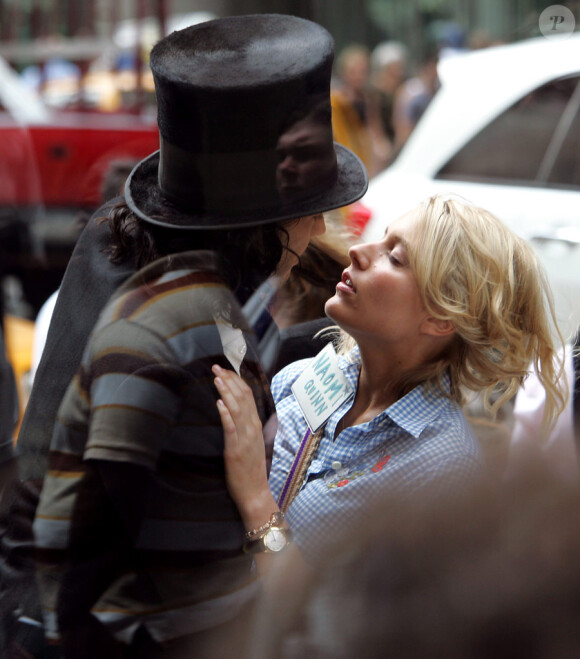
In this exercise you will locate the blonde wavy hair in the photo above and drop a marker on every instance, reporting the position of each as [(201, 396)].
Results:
[(476, 273)]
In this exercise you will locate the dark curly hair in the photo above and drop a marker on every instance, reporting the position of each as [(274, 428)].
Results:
[(246, 256)]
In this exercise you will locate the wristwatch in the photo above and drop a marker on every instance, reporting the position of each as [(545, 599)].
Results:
[(273, 541), (270, 537)]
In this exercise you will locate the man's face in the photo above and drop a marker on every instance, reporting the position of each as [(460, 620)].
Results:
[(306, 159)]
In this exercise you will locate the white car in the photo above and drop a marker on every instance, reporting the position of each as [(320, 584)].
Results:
[(503, 131)]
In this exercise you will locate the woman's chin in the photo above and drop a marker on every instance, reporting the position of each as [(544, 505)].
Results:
[(331, 308), (328, 305)]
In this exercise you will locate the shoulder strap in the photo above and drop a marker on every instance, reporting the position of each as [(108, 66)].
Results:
[(307, 449)]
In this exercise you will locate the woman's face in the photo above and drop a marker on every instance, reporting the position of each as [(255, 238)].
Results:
[(300, 232), (378, 297)]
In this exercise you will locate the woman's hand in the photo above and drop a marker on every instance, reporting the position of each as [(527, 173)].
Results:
[(244, 450), (245, 455)]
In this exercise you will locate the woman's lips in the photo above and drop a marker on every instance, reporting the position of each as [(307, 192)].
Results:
[(345, 284)]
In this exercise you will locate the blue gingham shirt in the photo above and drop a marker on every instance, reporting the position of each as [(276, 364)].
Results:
[(423, 438)]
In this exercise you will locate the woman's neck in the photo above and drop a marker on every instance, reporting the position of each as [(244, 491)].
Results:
[(377, 388), (378, 382)]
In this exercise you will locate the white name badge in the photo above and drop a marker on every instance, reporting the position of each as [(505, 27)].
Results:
[(321, 388)]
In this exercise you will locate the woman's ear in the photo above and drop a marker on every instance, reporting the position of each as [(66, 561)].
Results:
[(437, 327)]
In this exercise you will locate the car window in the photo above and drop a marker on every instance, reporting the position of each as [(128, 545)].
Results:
[(513, 147), (565, 169)]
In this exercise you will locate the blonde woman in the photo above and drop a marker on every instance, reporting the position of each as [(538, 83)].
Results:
[(448, 300)]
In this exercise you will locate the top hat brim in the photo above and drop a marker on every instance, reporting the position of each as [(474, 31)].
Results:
[(145, 198)]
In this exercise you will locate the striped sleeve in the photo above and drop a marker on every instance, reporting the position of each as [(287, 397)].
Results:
[(134, 384)]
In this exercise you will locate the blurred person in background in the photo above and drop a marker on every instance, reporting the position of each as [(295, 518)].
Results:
[(298, 306), (449, 301), (413, 97), (112, 187), (351, 103), (138, 442), (388, 70), (449, 38), (480, 38), (490, 574)]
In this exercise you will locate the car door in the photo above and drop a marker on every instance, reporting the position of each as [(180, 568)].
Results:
[(525, 167)]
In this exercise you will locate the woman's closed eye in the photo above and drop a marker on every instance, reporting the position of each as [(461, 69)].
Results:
[(395, 258)]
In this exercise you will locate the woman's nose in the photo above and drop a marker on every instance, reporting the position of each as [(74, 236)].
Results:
[(358, 255)]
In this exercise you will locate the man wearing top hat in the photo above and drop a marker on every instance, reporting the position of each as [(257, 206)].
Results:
[(139, 545)]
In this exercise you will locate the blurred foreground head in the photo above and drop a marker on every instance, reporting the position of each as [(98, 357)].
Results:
[(492, 574)]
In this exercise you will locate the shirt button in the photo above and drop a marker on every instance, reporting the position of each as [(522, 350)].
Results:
[(242, 350), (336, 465)]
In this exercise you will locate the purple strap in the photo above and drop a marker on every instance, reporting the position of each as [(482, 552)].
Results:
[(292, 472)]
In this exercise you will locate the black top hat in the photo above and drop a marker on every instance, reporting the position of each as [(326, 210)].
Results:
[(245, 127)]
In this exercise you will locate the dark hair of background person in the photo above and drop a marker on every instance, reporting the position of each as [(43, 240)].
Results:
[(312, 282), (491, 574), (303, 295), (298, 306), (246, 256)]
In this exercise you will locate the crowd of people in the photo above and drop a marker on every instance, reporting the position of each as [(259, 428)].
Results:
[(247, 433), (376, 103), (379, 95)]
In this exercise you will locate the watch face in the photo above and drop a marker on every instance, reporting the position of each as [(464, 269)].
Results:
[(275, 540)]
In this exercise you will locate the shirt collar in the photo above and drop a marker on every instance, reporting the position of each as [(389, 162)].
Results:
[(420, 407), (350, 364)]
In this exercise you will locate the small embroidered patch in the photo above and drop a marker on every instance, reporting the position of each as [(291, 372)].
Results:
[(381, 463), (344, 476), (340, 481)]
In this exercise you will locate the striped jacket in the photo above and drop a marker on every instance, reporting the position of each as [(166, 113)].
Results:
[(144, 395)]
